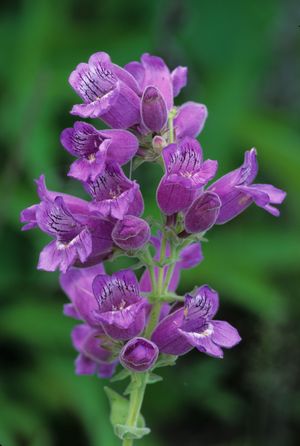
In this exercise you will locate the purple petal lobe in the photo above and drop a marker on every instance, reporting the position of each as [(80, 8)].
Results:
[(158, 75), (179, 79), (167, 336), (224, 334), (203, 303), (77, 284), (190, 120)]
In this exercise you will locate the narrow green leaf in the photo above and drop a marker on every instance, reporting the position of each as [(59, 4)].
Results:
[(123, 374)]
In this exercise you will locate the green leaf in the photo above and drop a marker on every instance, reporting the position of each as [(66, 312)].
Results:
[(165, 360), (123, 374), (154, 378), (127, 432), (119, 407)]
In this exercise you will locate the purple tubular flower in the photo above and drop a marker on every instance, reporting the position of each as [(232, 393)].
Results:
[(77, 284), (121, 308), (73, 239), (139, 354), (131, 233), (203, 213), (152, 71), (237, 192), (193, 326), (80, 236), (108, 92), (74, 204), (92, 358), (153, 109), (190, 256), (190, 120), (185, 174), (94, 148), (114, 195)]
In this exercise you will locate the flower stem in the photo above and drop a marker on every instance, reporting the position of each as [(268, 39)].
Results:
[(139, 380), (136, 400)]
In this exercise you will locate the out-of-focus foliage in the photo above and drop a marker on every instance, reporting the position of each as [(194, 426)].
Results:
[(244, 64)]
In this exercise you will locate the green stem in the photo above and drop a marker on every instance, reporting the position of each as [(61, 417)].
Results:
[(136, 401), (140, 379), (171, 128), (160, 280)]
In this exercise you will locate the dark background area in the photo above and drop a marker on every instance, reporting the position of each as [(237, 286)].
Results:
[(244, 64)]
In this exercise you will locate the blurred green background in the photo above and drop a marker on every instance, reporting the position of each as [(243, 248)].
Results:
[(243, 60)]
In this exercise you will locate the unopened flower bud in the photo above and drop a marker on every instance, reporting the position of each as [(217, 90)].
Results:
[(131, 233), (153, 109), (139, 354), (203, 213)]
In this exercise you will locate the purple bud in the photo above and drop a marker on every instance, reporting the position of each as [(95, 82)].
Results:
[(131, 233), (153, 109), (139, 354), (203, 212), (158, 143)]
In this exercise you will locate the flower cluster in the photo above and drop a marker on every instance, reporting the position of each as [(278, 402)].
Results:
[(139, 324)]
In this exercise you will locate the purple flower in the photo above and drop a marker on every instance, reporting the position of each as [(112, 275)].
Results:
[(94, 148), (152, 71), (73, 239), (237, 192), (108, 92), (121, 308), (190, 256), (193, 326), (92, 358), (190, 120), (28, 215), (203, 213), (114, 195), (131, 233), (79, 236), (139, 354), (186, 173), (153, 109), (77, 284)]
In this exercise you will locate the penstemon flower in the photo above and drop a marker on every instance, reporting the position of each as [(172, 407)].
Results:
[(139, 325)]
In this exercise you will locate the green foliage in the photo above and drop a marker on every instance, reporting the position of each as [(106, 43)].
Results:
[(244, 65)]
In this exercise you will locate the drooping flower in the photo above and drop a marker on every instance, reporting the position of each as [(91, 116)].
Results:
[(193, 326), (73, 239), (74, 204), (131, 233), (94, 148), (77, 284), (79, 236), (114, 195), (189, 120), (237, 192), (203, 213), (121, 308), (108, 92), (185, 175), (93, 358), (152, 71), (139, 354)]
